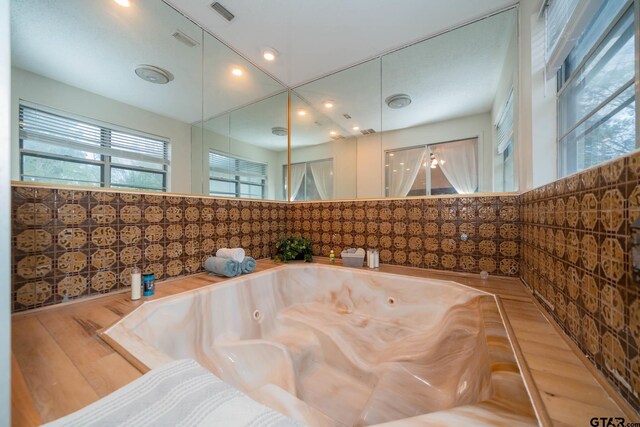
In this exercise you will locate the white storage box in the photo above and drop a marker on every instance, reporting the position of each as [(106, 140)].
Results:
[(352, 260)]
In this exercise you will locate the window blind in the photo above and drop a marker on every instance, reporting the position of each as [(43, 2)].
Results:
[(505, 125), (41, 126), (227, 168), (558, 14), (565, 22)]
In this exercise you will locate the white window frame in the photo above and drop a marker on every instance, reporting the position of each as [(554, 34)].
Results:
[(237, 181), (105, 152), (565, 82)]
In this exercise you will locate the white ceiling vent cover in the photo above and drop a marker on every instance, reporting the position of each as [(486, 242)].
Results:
[(223, 11), (184, 39)]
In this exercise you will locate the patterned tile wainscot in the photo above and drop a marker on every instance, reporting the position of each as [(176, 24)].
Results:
[(420, 232), (74, 243), (576, 259)]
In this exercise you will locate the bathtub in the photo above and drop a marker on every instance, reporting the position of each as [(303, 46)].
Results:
[(333, 346)]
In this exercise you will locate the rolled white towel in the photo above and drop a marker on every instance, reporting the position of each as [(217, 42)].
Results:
[(236, 254)]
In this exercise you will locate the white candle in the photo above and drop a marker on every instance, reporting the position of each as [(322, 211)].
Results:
[(136, 284)]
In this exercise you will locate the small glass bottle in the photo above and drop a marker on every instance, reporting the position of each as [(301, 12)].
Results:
[(332, 257), (376, 258), (136, 284)]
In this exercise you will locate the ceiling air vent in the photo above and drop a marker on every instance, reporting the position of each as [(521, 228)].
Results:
[(367, 131), (346, 116), (223, 11), (184, 39), (337, 137)]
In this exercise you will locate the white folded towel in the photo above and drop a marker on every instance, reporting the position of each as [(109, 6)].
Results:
[(236, 254)]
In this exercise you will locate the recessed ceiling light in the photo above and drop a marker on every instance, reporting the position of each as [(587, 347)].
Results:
[(399, 100), (123, 3), (302, 113), (356, 128), (237, 72), (328, 104), (153, 74), (391, 154), (333, 132), (269, 54)]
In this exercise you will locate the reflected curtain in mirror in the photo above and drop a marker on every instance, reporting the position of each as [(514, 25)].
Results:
[(402, 168), (459, 163)]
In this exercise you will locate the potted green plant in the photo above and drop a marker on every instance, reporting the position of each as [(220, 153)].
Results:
[(294, 248)]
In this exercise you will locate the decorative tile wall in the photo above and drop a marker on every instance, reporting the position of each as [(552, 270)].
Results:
[(73, 243), (576, 259), (69, 244), (421, 233)]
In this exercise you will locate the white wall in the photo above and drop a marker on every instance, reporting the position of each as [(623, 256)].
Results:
[(370, 177), (5, 215), (344, 155), (224, 144), (543, 112), (537, 106), (50, 93)]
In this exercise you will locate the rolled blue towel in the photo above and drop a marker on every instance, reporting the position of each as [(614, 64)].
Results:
[(248, 265), (222, 266)]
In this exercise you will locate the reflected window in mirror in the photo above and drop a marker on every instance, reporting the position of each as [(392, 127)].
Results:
[(232, 176), (58, 149), (310, 180), (434, 169), (596, 93)]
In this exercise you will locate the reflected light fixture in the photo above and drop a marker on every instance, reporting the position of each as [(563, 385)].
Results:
[(328, 104), (269, 54), (302, 113), (356, 128), (237, 72), (153, 74), (123, 3), (391, 154), (399, 100), (333, 132), (279, 131)]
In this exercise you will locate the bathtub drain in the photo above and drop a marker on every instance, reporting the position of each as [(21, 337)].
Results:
[(257, 315), (391, 300)]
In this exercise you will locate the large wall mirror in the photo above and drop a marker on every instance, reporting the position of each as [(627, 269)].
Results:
[(436, 117), (140, 97)]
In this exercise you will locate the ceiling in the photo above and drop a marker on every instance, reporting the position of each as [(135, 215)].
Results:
[(314, 38), (96, 45), (453, 75)]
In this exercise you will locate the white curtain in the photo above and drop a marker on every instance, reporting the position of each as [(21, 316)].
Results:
[(402, 170), (322, 173), (297, 176), (459, 163)]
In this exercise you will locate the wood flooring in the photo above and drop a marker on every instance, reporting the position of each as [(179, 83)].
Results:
[(60, 365)]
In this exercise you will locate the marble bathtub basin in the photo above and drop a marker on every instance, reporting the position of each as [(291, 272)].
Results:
[(333, 346)]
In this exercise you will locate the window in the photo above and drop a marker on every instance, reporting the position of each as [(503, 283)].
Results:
[(311, 180), (504, 129), (64, 150), (234, 177), (443, 168), (596, 96)]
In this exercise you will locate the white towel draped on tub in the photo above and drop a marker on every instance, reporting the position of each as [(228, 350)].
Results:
[(236, 254), (180, 393)]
